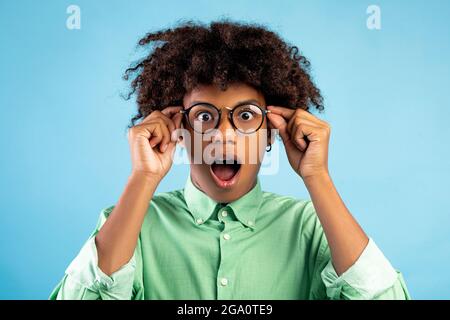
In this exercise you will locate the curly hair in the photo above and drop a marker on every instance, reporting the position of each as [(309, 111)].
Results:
[(222, 53)]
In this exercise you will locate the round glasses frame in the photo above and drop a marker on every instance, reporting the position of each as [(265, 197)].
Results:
[(230, 115)]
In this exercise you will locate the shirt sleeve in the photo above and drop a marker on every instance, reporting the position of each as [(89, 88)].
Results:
[(84, 280), (370, 277)]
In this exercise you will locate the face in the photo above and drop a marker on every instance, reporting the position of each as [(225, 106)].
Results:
[(224, 161)]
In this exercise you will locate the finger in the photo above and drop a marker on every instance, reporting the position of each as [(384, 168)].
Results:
[(177, 118), (160, 117), (308, 115), (170, 111), (166, 138), (278, 122), (286, 113), (156, 135), (168, 122), (147, 118), (299, 137), (299, 120), (165, 121), (153, 115), (304, 134), (163, 115), (159, 135), (170, 149)]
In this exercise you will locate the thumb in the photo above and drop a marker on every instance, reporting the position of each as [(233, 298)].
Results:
[(170, 151), (278, 122), (177, 121)]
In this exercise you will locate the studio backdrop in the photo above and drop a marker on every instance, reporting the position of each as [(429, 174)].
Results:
[(383, 69)]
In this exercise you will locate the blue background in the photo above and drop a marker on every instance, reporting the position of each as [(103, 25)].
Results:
[(64, 153)]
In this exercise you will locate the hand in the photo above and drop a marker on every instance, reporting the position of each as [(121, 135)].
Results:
[(152, 144), (305, 138)]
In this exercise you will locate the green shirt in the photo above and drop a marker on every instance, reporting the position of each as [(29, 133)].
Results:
[(261, 246)]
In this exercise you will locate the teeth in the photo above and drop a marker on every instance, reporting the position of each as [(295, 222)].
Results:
[(226, 161)]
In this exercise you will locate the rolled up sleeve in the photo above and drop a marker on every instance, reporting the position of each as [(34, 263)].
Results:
[(370, 277), (83, 278)]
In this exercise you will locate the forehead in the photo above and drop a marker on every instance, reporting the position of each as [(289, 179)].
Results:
[(234, 94)]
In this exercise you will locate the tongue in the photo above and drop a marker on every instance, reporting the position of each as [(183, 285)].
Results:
[(223, 171)]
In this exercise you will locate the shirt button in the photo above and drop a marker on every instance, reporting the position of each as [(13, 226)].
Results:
[(224, 213), (226, 236), (250, 223), (199, 221), (224, 281)]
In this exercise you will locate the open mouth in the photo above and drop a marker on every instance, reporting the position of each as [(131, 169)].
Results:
[(225, 172)]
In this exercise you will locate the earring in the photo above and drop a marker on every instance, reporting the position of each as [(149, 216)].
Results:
[(269, 147)]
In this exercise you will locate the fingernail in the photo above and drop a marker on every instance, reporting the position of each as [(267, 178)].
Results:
[(164, 147)]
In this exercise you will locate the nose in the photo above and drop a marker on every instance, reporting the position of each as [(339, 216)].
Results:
[(226, 132)]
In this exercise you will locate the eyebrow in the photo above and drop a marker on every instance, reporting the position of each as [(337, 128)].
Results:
[(249, 101)]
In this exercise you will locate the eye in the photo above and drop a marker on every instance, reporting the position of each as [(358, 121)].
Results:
[(246, 115), (203, 116)]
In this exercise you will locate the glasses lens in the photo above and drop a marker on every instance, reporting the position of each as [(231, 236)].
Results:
[(248, 118), (203, 117)]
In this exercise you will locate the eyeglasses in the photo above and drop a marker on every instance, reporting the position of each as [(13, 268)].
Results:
[(246, 118)]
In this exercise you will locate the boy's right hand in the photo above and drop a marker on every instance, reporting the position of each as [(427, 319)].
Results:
[(151, 143)]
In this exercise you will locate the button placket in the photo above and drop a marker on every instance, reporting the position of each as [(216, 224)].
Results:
[(224, 282), (225, 272), (225, 218), (223, 215)]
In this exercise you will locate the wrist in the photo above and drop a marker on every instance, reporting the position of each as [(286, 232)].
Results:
[(320, 176), (144, 176), (143, 184)]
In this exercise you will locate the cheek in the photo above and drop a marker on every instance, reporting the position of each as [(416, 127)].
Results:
[(252, 148), (194, 144)]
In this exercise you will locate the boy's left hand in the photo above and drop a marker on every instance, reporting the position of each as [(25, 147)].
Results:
[(305, 138)]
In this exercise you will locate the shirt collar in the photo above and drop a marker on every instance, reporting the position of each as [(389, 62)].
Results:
[(202, 206)]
